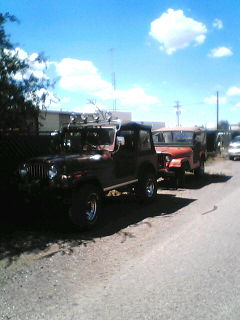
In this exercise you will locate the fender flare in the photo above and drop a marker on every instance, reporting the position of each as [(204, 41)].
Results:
[(179, 162), (146, 167), (78, 183)]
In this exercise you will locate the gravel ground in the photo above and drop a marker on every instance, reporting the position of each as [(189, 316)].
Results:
[(46, 265)]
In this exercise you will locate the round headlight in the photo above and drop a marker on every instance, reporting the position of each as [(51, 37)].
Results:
[(108, 116), (83, 117), (23, 170), (52, 172), (73, 118), (168, 158), (96, 116)]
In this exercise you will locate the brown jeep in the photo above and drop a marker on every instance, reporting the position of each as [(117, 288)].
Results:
[(179, 150), (88, 160)]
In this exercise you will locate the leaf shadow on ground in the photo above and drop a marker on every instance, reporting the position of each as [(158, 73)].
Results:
[(31, 230)]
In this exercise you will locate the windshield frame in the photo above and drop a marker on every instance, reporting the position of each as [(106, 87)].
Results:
[(171, 140), (76, 140)]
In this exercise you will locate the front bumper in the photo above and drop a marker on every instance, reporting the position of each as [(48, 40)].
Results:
[(35, 189), (234, 152), (165, 173)]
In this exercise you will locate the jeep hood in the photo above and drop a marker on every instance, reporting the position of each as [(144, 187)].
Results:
[(175, 152), (73, 159)]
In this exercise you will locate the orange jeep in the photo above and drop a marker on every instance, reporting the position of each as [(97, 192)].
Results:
[(179, 150)]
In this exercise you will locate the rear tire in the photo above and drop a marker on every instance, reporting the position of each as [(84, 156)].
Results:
[(146, 189), (199, 172), (86, 206)]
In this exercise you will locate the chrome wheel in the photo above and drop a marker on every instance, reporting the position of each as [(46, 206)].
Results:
[(92, 207), (146, 189), (150, 188), (86, 206)]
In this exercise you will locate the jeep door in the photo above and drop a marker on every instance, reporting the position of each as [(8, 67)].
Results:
[(198, 145), (125, 157)]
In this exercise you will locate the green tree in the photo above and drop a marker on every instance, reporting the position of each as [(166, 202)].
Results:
[(223, 125), (22, 93)]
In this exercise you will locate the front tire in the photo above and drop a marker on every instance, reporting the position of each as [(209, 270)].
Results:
[(146, 189), (178, 180), (86, 206)]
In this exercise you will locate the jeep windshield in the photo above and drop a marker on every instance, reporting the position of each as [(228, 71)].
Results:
[(86, 139), (173, 138)]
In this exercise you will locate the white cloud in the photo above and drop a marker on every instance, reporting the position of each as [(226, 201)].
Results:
[(22, 55), (78, 75), (83, 76), (50, 100), (220, 52), (176, 31), (218, 24), (136, 96), (210, 125), (236, 107), (64, 100), (234, 91), (89, 108), (231, 98), (213, 100), (36, 68)]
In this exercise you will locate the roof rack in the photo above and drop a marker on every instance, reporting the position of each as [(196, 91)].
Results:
[(91, 120)]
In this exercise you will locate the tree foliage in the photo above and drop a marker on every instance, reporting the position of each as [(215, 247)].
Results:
[(223, 125), (22, 93)]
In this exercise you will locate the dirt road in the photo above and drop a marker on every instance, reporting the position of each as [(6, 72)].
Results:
[(49, 270)]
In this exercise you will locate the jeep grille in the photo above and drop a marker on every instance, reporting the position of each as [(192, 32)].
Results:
[(38, 170), (161, 159)]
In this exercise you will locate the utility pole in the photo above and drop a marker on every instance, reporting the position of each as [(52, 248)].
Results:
[(113, 81), (178, 112), (217, 111)]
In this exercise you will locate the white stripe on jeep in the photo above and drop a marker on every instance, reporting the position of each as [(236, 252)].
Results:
[(120, 185)]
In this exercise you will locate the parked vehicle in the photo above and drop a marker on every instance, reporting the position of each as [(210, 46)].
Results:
[(234, 148), (89, 159), (179, 150)]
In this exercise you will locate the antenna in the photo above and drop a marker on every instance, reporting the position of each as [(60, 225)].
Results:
[(113, 81), (217, 110)]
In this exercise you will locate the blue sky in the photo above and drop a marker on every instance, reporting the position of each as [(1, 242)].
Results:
[(159, 51)]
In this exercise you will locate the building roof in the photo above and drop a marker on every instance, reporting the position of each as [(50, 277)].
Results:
[(179, 129)]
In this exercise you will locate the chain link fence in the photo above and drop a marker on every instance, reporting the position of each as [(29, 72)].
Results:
[(15, 149)]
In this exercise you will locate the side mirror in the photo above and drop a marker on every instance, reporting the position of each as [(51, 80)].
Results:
[(120, 141)]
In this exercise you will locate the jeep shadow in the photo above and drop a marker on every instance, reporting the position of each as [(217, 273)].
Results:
[(38, 229), (190, 181)]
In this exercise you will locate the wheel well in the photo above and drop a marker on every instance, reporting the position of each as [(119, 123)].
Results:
[(92, 181), (146, 167), (186, 165)]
